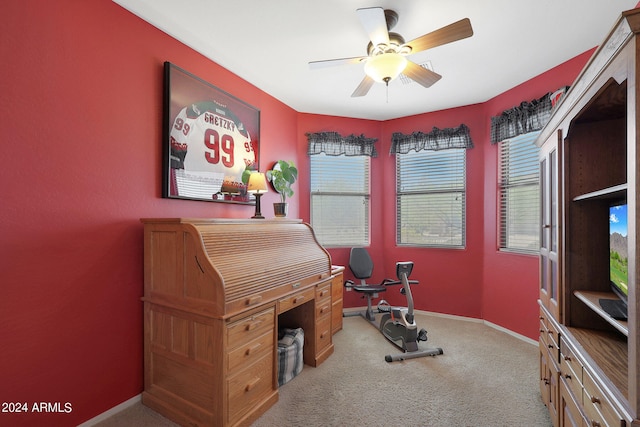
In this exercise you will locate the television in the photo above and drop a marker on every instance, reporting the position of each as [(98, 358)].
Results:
[(618, 262), (618, 257)]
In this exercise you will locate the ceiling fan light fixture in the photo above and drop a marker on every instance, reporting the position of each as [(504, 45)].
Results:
[(385, 67)]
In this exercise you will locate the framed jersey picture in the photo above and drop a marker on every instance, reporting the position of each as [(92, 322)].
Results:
[(210, 140)]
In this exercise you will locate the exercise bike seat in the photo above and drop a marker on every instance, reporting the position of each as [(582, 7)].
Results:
[(361, 266)]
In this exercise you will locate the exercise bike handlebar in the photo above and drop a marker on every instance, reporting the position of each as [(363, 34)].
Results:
[(389, 282)]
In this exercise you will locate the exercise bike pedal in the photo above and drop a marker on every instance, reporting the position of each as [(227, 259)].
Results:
[(422, 335)]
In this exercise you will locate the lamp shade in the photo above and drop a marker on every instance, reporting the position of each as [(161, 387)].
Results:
[(385, 67), (257, 183)]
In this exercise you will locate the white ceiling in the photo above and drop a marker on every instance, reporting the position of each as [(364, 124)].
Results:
[(269, 44)]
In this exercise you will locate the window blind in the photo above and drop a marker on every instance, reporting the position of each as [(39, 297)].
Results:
[(519, 194), (431, 198), (340, 199)]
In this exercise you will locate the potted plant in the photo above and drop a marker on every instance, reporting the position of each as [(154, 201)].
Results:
[(282, 176)]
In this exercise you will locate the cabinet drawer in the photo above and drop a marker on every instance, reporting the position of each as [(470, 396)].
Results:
[(294, 300), (249, 387), (599, 409), (553, 336), (571, 369), (251, 351), (572, 379), (249, 328), (323, 333)]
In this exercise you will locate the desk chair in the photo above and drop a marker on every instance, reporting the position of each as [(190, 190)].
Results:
[(361, 266)]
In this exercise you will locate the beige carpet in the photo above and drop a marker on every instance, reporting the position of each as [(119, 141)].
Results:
[(484, 378)]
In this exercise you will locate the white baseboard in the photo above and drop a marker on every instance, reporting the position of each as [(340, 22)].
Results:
[(513, 334), (466, 319), (111, 412)]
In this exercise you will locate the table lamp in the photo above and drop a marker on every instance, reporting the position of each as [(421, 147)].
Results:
[(257, 185)]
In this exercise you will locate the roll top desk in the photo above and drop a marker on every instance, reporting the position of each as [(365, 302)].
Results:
[(215, 293)]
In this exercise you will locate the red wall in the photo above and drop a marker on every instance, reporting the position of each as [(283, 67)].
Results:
[(510, 282), (81, 110), (81, 107)]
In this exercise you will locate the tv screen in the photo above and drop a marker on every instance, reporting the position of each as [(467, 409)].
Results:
[(618, 250)]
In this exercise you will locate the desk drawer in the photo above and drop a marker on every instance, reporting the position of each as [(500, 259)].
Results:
[(251, 351), (249, 328), (249, 387), (323, 292), (323, 333), (294, 300), (323, 308), (599, 409)]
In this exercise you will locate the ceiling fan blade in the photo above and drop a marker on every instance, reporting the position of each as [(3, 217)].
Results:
[(375, 24), (451, 33), (314, 65), (363, 87), (420, 74)]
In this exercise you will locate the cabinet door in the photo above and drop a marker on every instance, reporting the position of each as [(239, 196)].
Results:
[(550, 159), (570, 413)]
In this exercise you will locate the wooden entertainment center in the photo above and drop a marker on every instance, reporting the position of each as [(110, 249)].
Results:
[(589, 160), (216, 291)]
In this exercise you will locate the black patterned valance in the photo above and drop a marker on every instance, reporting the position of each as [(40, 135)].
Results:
[(528, 117), (334, 144), (437, 139)]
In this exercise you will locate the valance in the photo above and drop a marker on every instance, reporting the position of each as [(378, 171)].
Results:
[(437, 139), (528, 117), (334, 144)]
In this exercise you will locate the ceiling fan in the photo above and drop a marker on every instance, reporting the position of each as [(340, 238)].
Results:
[(387, 51)]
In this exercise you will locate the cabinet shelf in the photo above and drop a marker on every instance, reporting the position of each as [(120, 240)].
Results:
[(615, 192), (591, 300)]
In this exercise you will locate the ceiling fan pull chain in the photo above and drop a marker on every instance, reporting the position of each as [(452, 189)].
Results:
[(386, 81)]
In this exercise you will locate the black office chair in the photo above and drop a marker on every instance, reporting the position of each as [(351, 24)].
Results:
[(361, 266)]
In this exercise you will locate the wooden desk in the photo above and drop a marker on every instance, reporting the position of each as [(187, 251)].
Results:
[(216, 292)]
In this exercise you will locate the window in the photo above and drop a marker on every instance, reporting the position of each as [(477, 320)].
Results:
[(340, 199), (430, 191), (518, 190)]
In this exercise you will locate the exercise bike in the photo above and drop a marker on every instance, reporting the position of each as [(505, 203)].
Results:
[(398, 325)]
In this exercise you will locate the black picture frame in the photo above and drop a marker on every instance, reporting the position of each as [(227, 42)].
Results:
[(211, 140)]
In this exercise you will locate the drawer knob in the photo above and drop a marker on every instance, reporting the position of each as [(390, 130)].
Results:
[(252, 384), (567, 358), (251, 350), (567, 376), (595, 423), (254, 300), (595, 399), (251, 326)]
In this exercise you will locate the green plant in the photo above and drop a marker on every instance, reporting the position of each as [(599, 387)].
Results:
[(282, 176)]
